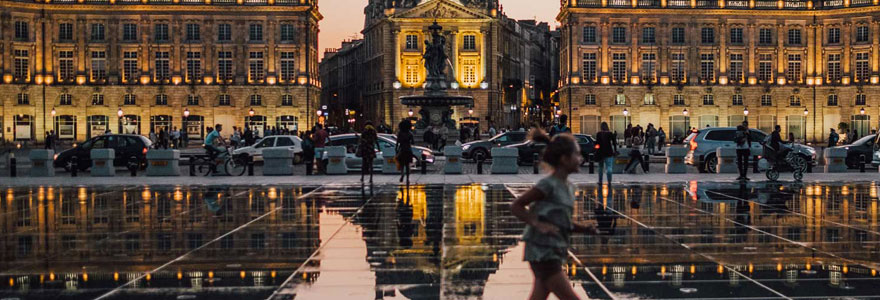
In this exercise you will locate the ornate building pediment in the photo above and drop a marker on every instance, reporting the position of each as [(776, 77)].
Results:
[(440, 9)]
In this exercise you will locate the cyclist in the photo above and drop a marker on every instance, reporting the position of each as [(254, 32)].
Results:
[(213, 142)]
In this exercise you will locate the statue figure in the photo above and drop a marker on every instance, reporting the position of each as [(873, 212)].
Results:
[(435, 53)]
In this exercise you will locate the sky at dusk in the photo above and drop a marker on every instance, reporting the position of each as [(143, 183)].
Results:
[(344, 19)]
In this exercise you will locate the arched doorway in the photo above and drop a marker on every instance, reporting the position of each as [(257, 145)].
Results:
[(195, 127), (130, 124), (256, 123), (160, 122), (96, 125), (288, 122), (23, 127), (65, 127)]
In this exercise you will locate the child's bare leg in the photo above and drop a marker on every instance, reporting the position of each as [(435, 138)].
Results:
[(559, 285), (539, 292)]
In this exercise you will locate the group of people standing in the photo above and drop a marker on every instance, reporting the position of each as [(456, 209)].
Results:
[(164, 139)]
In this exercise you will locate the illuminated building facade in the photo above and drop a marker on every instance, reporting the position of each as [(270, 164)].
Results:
[(807, 66), (132, 66)]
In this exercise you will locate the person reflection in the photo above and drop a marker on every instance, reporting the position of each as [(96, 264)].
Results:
[(606, 222), (743, 217), (405, 226), (213, 200)]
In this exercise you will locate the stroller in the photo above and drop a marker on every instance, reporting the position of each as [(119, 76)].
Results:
[(774, 161)]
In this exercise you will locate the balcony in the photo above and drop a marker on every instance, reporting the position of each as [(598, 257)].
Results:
[(619, 3), (679, 3), (207, 2)]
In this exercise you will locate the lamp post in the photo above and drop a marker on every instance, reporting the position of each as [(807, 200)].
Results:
[(185, 121), (119, 114), (684, 112)]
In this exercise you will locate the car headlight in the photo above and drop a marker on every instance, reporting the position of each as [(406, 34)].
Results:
[(465, 147), (55, 157)]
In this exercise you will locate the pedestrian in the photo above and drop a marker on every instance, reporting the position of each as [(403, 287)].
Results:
[(163, 138), (153, 138), (492, 131), (560, 127), (48, 140), (635, 154), (248, 136), (308, 146), (607, 143), (627, 135), (463, 134), (547, 210), (175, 138), (661, 139), (476, 132), (854, 137), (650, 139), (428, 137), (444, 137), (743, 149), (435, 133), (321, 137), (833, 138), (405, 156), (366, 150), (236, 137)]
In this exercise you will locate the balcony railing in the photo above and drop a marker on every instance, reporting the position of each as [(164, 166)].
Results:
[(728, 4), (619, 3), (193, 2), (679, 3)]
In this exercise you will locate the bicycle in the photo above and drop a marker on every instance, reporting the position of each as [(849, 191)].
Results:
[(232, 165)]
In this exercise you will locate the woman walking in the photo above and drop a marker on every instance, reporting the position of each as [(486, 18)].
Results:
[(405, 140), (547, 210), (369, 138), (635, 154), (607, 149)]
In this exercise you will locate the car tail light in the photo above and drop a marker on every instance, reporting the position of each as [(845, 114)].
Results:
[(145, 151), (596, 147), (693, 145)]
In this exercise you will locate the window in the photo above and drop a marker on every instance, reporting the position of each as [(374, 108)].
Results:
[(620, 99), (97, 32), (707, 35), (65, 100), (618, 35), (862, 34), (736, 100), (129, 32), (286, 100), (678, 68), (707, 67), (708, 100), (834, 35), (412, 42), (618, 67), (411, 72), (192, 100), (590, 99), (678, 100), (648, 35), (162, 67), (23, 99), (224, 32), (288, 67), (588, 71), (649, 67), (97, 99), (256, 100), (255, 67), (287, 32), (193, 67), (21, 70), (794, 100), (224, 66), (765, 36), (65, 66), (794, 37), (224, 100), (678, 35), (649, 99), (832, 100), (129, 67), (129, 99), (735, 72), (469, 42), (794, 68), (833, 68), (766, 100), (590, 124), (765, 67), (193, 32), (861, 99), (590, 34), (160, 32), (736, 35), (21, 31), (255, 32), (469, 72), (863, 71), (161, 99), (99, 66), (65, 32)]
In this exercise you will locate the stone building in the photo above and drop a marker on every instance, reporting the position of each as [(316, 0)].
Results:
[(486, 54), (341, 83), (131, 66), (807, 66)]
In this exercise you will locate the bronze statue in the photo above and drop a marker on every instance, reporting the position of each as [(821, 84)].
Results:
[(435, 53)]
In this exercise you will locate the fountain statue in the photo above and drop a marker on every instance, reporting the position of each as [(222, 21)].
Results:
[(436, 104)]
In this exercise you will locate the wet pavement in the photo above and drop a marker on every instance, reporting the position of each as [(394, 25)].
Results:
[(684, 240)]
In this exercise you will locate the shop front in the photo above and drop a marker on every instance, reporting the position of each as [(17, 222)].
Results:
[(97, 125)]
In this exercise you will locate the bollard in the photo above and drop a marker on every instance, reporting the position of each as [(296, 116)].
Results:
[(861, 163), (480, 160), (424, 164), (250, 165), (192, 165), (310, 164), (592, 162), (12, 166), (74, 166), (133, 166), (647, 162), (535, 161), (755, 164)]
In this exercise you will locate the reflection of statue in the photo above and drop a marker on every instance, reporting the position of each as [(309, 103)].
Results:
[(435, 53)]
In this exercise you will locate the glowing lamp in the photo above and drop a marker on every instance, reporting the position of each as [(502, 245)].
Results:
[(119, 113), (862, 111), (635, 80), (606, 80), (48, 79), (176, 79), (145, 79), (410, 113), (625, 112), (7, 78), (302, 79), (810, 81), (251, 112), (454, 85), (664, 80), (397, 85), (753, 80), (270, 80), (209, 80), (780, 80), (186, 112), (484, 85), (806, 112), (722, 80), (575, 80), (844, 80), (875, 79), (320, 113), (746, 111), (80, 79), (470, 111), (684, 112), (38, 79), (818, 81), (53, 112)]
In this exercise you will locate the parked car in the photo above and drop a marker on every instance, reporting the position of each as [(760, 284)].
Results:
[(125, 147), (863, 147), (273, 142), (353, 163), (703, 143), (484, 147), (528, 148)]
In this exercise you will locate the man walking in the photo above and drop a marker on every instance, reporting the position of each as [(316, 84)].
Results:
[(743, 149), (833, 138)]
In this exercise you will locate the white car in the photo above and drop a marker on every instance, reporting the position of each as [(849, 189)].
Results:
[(273, 142)]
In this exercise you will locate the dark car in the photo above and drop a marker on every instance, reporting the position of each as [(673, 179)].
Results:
[(353, 163), (862, 148), (484, 147), (125, 147), (528, 149)]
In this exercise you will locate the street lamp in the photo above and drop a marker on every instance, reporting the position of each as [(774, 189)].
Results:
[(320, 113), (746, 111), (806, 112), (119, 113), (397, 85), (186, 113), (53, 112), (625, 112), (684, 112), (470, 111), (862, 111), (410, 113), (251, 112), (484, 85)]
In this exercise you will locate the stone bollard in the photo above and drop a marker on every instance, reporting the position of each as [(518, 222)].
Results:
[(42, 163), (335, 160), (389, 165), (504, 161), (675, 160), (835, 160), (621, 160), (726, 160), (277, 162), (102, 162), (453, 160), (165, 163)]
